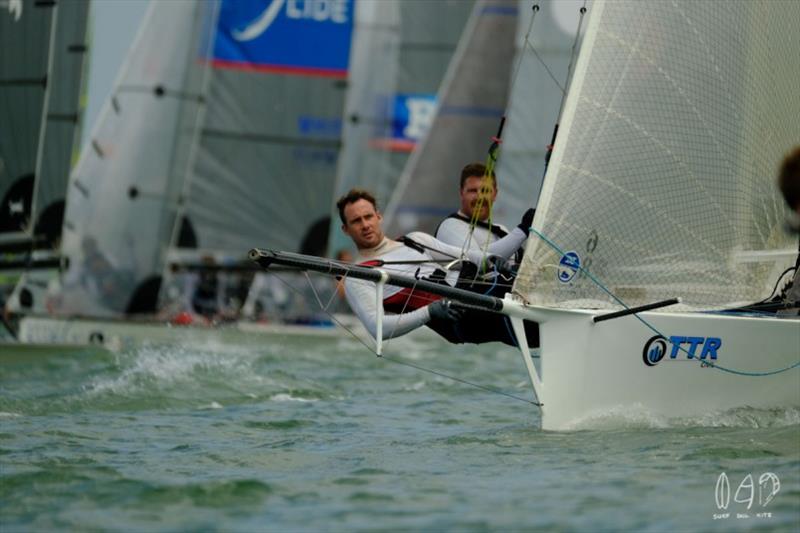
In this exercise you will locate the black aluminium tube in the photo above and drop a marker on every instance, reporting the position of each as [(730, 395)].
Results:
[(265, 258), (634, 310)]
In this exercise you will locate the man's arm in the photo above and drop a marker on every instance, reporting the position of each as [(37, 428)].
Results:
[(360, 295), (504, 247)]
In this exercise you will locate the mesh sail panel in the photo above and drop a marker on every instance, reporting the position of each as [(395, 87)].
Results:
[(662, 182)]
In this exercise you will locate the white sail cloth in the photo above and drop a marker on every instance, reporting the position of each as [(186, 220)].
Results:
[(664, 168)]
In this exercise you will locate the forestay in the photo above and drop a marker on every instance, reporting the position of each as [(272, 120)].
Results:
[(663, 175)]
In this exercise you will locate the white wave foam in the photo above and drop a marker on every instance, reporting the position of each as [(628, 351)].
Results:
[(639, 417), (159, 367), (283, 397), (4, 414)]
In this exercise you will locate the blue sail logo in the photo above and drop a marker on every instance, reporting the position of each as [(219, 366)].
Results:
[(260, 25), (295, 37), (319, 10), (568, 266)]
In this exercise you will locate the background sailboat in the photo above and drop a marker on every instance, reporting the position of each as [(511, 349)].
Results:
[(42, 61), (191, 159)]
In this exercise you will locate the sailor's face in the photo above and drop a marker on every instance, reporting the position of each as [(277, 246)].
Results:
[(363, 224), (473, 191)]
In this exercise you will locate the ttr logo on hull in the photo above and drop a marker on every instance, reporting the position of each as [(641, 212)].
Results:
[(656, 348)]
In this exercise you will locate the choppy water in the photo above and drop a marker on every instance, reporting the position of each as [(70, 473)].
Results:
[(321, 435)]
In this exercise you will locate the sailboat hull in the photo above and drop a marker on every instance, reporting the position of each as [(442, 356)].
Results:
[(125, 334), (686, 365)]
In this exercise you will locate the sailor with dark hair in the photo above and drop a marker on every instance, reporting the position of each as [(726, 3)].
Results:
[(418, 256)]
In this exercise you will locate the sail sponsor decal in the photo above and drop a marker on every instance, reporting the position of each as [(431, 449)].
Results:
[(321, 140), (301, 37), (656, 348), (568, 266), (411, 117)]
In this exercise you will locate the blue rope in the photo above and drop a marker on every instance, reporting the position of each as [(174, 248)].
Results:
[(494, 283), (652, 328)]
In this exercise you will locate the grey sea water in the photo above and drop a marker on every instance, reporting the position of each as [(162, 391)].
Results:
[(305, 434)]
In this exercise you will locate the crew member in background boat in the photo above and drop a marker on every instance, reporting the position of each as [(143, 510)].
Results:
[(476, 201), (199, 296), (206, 292), (418, 255), (789, 184)]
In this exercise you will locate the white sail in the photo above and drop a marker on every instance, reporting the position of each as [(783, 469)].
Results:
[(471, 102), (123, 193), (664, 168)]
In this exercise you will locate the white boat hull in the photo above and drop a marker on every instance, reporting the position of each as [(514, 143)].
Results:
[(121, 334), (591, 369)]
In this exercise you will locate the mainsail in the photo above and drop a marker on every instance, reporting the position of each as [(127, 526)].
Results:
[(662, 181), (42, 52), (471, 102), (123, 194), (269, 142), (62, 128), (400, 54)]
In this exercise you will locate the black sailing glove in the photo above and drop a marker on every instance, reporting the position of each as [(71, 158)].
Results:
[(527, 221), (444, 310), (500, 265)]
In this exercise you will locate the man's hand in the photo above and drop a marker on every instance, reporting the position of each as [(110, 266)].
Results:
[(444, 310), (499, 264), (527, 221)]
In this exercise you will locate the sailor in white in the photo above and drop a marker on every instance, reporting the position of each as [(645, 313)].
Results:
[(418, 256), (475, 197)]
